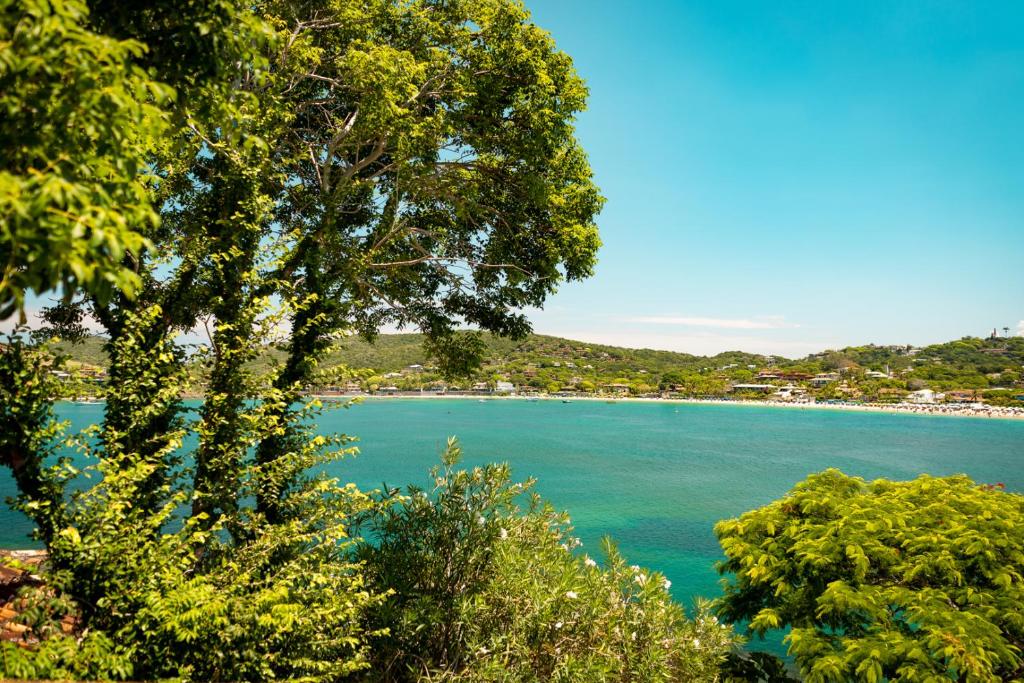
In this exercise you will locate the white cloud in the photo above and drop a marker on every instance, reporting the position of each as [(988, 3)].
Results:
[(768, 322), (1020, 329)]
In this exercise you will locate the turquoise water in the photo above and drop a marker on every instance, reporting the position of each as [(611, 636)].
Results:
[(654, 476)]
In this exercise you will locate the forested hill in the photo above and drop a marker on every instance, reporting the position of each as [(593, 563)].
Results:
[(393, 352), (970, 362)]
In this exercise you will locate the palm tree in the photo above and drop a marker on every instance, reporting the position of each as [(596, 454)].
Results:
[(1006, 331)]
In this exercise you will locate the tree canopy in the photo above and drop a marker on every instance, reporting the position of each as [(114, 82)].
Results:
[(903, 581), (283, 174)]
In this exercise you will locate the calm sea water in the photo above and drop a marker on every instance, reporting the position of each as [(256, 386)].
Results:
[(656, 477)]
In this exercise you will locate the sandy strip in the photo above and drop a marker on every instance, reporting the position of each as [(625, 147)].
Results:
[(942, 410)]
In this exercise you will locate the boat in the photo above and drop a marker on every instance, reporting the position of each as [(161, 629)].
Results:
[(565, 400), (532, 399)]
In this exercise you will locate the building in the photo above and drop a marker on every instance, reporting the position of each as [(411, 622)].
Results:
[(790, 391), (963, 395), (924, 396), (504, 388), (780, 374)]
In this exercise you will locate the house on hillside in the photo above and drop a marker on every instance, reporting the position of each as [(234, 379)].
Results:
[(924, 396), (504, 388), (790, 392), (963, 395), (616, 388)]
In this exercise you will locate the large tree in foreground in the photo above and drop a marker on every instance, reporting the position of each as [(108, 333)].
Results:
[(903, 581), (291, 172)]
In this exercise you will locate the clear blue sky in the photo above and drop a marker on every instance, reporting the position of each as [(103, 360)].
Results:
[(787, 177)]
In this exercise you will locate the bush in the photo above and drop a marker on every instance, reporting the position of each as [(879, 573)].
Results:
[(907, 581), (481, 590)]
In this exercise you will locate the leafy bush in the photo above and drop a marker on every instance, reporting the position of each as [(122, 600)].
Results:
[(93, 656), (481, 590), (907, 581)]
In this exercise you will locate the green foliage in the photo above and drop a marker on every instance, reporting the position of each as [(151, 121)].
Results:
[(284, 175), (94, 656), (690, 375), (762, 667), (79, 121), (29, 431), (482, 590), (909, 581)]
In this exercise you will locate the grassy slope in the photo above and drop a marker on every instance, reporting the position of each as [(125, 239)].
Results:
[(392, 352)]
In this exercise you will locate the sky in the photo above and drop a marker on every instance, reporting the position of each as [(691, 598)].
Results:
[(789, 177)]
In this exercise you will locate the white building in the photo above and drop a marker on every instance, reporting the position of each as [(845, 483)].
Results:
[(504, 388), (924, 396)]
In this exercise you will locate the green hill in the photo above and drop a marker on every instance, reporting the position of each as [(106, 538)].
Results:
[(543, 362)]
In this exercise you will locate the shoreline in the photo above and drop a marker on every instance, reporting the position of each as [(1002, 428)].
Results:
[(931, 410), (936, 410)]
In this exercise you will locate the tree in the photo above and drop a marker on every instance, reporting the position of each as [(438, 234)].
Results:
[(277, 172), (672, 378), (912, 581), (80, 122)]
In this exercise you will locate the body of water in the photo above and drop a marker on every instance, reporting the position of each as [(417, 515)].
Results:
[(656, 477)]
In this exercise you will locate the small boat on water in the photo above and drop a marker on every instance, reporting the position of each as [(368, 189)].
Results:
[(88, 401), (532, 399), (565, 400)]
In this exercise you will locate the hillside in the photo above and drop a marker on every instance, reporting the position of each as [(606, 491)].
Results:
[(554, 364)]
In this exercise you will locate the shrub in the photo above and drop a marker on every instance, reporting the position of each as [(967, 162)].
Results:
[(909, 581), (481, 590)]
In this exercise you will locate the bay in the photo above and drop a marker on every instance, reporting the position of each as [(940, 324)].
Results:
[(654, 476)]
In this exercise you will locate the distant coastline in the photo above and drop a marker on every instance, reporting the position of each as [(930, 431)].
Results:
[(940, 409), (944, 410)]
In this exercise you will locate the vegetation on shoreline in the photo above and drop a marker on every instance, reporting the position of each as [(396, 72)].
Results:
[(974, 369)]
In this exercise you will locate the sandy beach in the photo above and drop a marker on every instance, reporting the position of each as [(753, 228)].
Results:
[(946, 410)]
